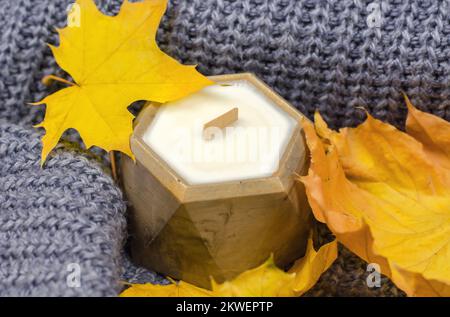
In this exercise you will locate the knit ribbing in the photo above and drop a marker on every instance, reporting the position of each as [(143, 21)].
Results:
[(69, 214), (322, 54)]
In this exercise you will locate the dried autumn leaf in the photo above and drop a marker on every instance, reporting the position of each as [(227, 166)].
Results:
[(386, 196), (433, 132), (114, 62), (179, 289), (265, 280), (309, 268)]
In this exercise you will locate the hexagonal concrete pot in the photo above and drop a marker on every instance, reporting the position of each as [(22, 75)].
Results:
[(192, 232)]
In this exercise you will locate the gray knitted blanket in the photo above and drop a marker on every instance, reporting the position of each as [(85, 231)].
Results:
[(62, 227), (318, 54)]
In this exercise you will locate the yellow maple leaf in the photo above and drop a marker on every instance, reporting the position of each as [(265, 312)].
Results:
[(265, 280), (114, 61), (433, 132), (385, 194), (175, 289)]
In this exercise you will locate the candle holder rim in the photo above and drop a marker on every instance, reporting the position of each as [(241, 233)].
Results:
[(278, 183)]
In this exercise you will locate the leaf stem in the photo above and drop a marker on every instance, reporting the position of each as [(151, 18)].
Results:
[(113, 166), (46, 80)]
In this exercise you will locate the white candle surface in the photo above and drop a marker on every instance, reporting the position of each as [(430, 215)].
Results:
[(250, 148)]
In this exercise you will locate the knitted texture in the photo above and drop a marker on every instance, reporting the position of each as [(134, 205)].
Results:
[(56, 220), (318, 54)]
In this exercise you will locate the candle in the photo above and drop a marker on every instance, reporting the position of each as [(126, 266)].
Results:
[(249, 148), (220, 201)]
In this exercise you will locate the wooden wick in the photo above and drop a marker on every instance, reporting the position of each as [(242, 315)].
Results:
[(220, 122), (112, 158)]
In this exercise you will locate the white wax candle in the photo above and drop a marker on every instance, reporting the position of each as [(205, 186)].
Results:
[(250, 148)]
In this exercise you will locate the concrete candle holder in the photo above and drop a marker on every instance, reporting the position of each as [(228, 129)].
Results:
[(219, 229)]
